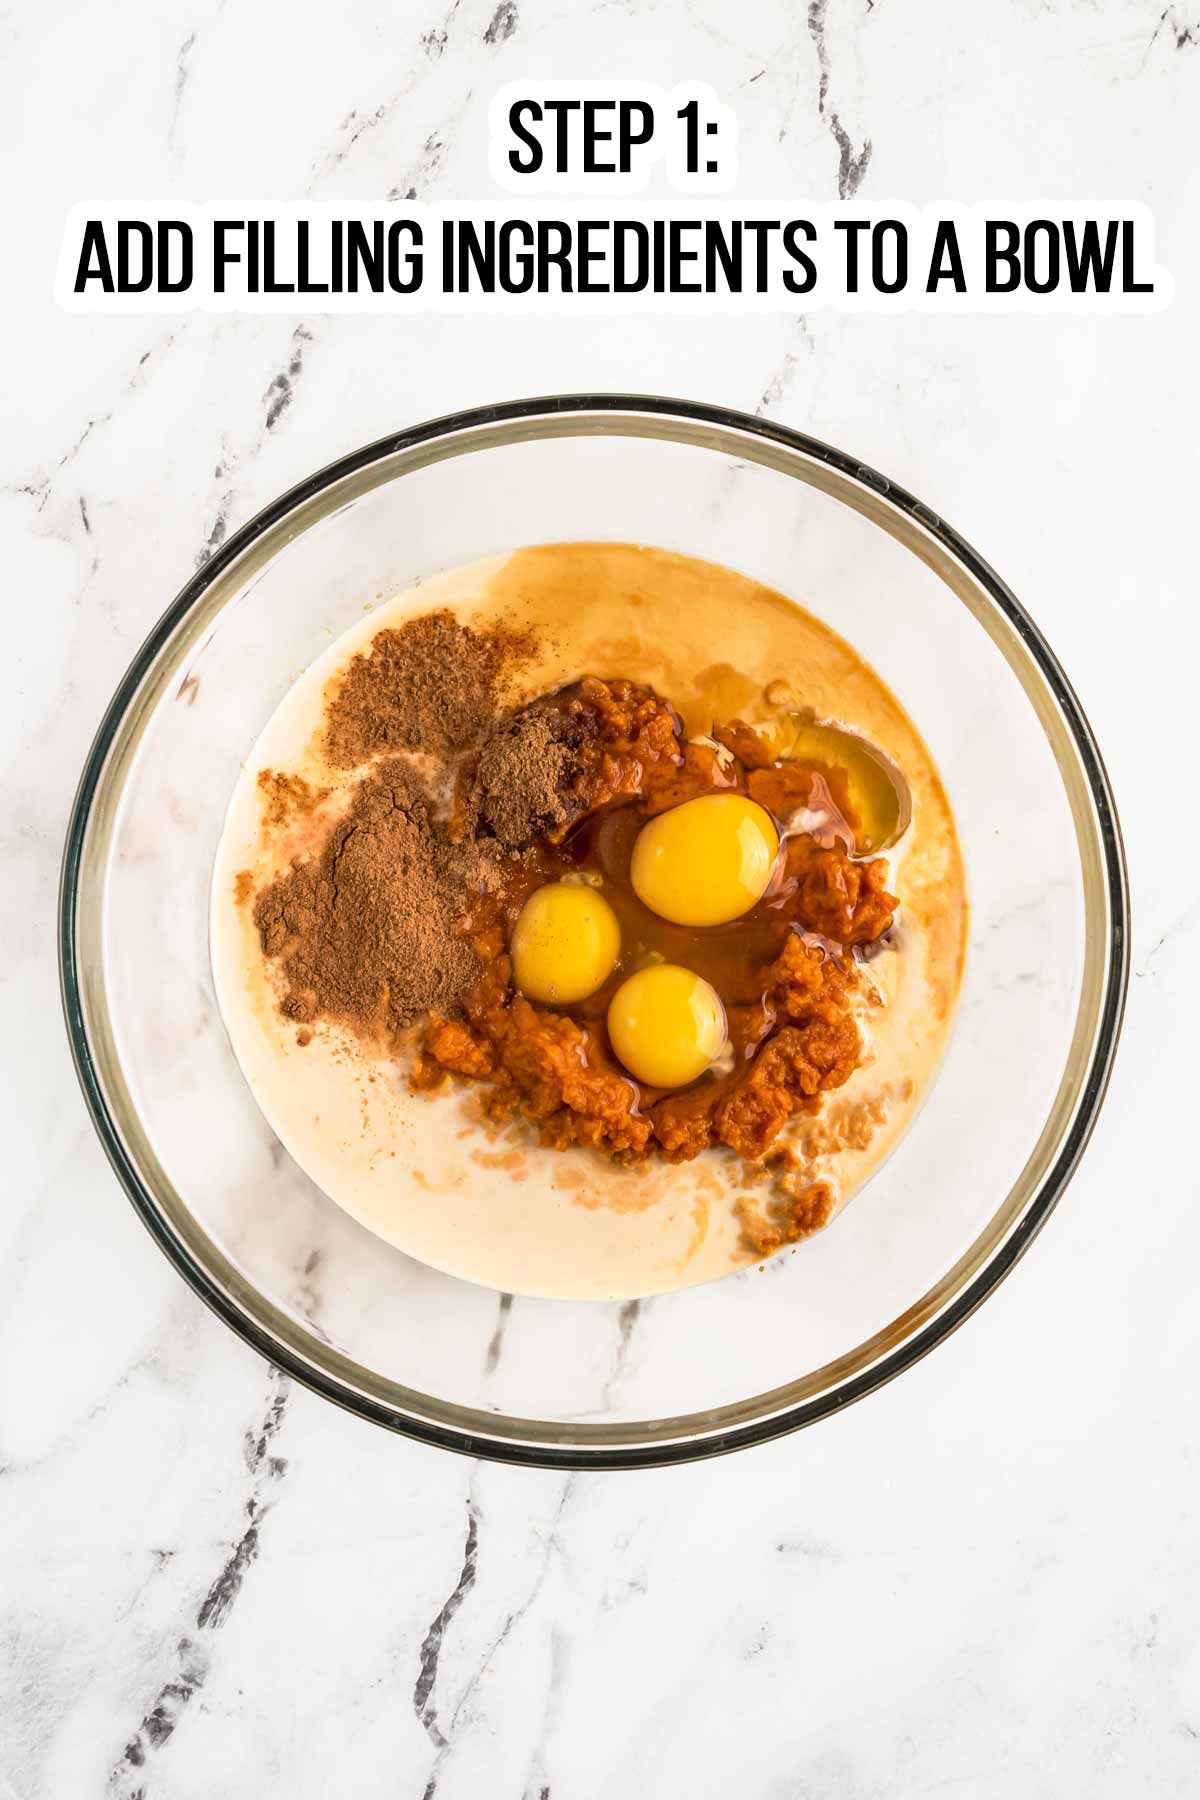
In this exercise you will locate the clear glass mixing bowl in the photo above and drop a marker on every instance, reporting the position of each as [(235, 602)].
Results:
[(708, 1369)]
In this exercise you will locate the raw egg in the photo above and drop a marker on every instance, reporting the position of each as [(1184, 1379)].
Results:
[(667, 1025), (705, 862), (565, 943)]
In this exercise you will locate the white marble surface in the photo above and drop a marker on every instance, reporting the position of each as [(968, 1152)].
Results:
[(983, 1581)]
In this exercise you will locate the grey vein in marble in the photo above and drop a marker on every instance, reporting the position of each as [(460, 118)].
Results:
[(190, 1661), (852, 164), (434, 41), (278, 396), (1184, 35), (181, 80), (424, 1697), (507, 1626), (40, 487), (1174, 930), (215, 536), (627, 1318), (502, 25), (780, 381), (423, 171), (496, 1342), (281, 389)]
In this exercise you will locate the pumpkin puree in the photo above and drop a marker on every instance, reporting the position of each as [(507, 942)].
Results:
[(785, 971)]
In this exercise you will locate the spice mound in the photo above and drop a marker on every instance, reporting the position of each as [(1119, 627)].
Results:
[(627, 940)]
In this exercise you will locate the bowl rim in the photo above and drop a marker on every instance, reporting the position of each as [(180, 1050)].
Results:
[(935, 1329)]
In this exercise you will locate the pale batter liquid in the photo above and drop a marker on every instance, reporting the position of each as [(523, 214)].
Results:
[(425, 1172)]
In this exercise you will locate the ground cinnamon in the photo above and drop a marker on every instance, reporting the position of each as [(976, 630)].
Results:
[(430, 684), (525, 769), (367, 932), (285, 798)]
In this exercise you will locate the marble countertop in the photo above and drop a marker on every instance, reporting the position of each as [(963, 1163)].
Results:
[(982, 1581)]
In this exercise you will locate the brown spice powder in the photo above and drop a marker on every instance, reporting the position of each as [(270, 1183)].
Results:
[(366, 932), (429, 684), (525, 768), (287, 797)]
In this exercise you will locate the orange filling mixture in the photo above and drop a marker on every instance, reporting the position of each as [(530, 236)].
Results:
[(785, 971)]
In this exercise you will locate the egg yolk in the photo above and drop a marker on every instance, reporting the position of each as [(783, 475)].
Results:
[(705, 862), (565, 943), (667, 1025)]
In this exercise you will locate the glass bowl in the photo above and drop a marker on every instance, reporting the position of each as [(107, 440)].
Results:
[(708, 1369)]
